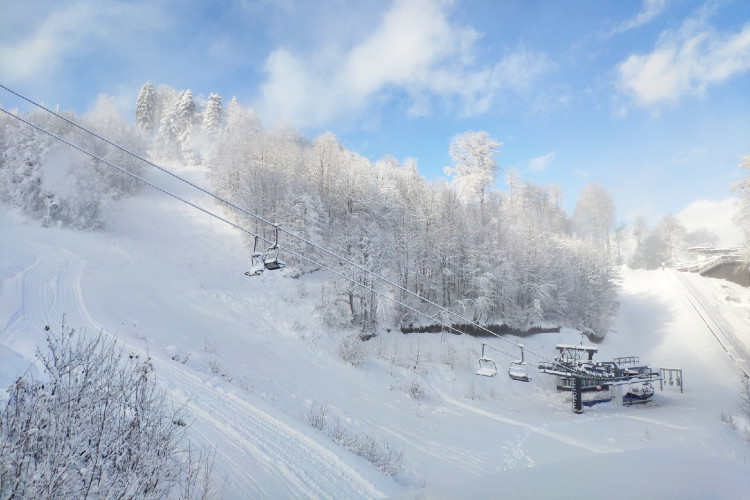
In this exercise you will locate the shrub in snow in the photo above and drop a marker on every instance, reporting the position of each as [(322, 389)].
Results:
[(95, 426), (379, 453), (317, 416), (415, 390), (351, 350)]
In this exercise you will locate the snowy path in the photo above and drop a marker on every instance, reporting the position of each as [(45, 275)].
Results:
[(736, 349), (261, 456)]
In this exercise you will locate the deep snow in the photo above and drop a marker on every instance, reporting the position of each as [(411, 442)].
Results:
[(250, 358)]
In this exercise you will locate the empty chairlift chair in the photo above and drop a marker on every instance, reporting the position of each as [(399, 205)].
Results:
[(256, 261), (268, 260), (271, 258), (519, 370), (487, 367)]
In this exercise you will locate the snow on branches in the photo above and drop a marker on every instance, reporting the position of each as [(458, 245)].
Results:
[(95, 426)]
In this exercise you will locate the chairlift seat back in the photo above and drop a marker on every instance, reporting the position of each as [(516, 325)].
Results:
[(487, 367), (519, 371)]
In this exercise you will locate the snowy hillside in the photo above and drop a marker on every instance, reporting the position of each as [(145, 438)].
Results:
[(254, 364)]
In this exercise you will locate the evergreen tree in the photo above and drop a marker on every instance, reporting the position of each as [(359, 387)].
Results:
[(212, 116), (145, 108)]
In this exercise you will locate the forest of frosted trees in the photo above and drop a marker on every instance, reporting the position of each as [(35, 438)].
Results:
[(512, 256)]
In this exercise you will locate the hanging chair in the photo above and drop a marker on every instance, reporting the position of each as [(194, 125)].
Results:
[(487, 367), (256, 262), (271, 258), (519, 370)]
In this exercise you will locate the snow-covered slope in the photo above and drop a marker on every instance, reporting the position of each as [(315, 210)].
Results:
[(250, 358)]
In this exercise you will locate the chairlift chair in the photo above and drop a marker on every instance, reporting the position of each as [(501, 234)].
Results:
[(268, 260), (519, 370), (257, 265), (271, 258), (487, 367)]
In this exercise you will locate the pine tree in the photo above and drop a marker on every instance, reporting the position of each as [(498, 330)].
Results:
[(212, 116), (145, 108)]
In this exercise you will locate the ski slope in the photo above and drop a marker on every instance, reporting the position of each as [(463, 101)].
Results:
[(250, 358)]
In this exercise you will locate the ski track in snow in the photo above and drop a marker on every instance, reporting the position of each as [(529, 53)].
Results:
[(734, 349), (531, 428), (261, 456)]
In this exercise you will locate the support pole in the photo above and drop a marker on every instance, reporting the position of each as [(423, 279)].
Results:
[(577, 400)]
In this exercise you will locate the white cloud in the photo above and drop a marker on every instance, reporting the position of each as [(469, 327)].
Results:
[(43, 50), (416, 50), (36, 51), (651, 9), (715, 216), (540, 163), (692, 157), (685, 62)]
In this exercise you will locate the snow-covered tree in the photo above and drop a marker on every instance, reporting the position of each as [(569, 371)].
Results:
[(176, 128), (474, 165), (742, 188), (212, 116), (496, 259), (673, 234), (96, 425), (53, 182), (145, 108), (594, 214)]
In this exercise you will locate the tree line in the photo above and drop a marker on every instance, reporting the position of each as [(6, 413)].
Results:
[(512, 256)]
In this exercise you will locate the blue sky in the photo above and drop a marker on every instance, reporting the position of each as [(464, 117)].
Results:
[(650, 99)]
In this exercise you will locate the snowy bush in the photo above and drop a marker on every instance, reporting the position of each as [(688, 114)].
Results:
[(379, 453), (351, 350), (317, 416), (95, 426), (415, 390)]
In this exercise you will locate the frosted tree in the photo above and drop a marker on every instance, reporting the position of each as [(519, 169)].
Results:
[(96, 426), (673, 235), (176, 128), (594, 214), (187, 117), (212, 116), (474, 165), (742, 188), (145, 108), (51, 181), (490, 258)]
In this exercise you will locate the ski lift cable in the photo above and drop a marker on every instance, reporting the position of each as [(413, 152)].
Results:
[(288, 250), (236, 226), (261, 219)]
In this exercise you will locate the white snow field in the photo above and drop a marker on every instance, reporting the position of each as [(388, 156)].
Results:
[(250, 358)]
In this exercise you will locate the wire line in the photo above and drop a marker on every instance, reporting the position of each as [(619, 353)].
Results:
[(263, 220), (281, 229), (236, 226)]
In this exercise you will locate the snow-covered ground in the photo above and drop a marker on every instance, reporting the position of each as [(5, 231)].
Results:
[(250, 358)]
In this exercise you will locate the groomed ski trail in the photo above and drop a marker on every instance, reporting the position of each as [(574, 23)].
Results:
[(262, 456)]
